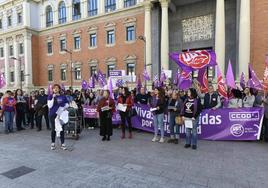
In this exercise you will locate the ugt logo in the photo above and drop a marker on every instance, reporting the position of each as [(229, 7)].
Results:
[(237, 130)]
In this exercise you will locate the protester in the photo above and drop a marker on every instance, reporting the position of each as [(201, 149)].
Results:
[(41, 109), (211, 98), (126, 100), (57, 104), (258, 99), (174, 107), (20, 109), (31, 106), (9, 109), (91, 123), (265, 120), (106, 107), (158, 104), (190, 112), (236, 101), (248, 99)]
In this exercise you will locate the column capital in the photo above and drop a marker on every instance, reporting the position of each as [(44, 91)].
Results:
[(164, 3), (147, 5)]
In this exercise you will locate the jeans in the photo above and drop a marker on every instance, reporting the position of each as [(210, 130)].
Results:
[(191, 134), (173, 125), (9, 117), (158, 123)]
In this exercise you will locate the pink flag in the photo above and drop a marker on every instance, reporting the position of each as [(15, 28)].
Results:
[(230, 81), (110, 87), (2, 80)]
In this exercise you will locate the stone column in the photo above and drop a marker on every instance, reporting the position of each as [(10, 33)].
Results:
[(28, 60), (164, 35), (84, 8), (101, 7), (244, 37), (17, 65), (26, 13), (148, 36), (69, 11), (119, 4), (220, 35), (7, 72)]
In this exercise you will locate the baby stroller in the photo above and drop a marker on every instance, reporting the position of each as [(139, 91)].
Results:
[(74, 127)]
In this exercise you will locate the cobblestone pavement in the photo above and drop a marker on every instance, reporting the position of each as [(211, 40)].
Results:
[(131, 163)]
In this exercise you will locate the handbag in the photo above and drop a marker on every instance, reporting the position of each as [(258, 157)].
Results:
[(178, 120)]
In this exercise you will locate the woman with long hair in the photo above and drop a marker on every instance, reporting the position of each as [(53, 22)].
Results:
[(158, 104), (57, 103), (126, 100), (190, 113), (9, 109), (20, 109), (106, 107)]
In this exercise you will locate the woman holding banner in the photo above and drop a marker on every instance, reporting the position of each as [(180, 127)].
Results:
[(106, 107), (127, 101), (158, 104), (190, 112)]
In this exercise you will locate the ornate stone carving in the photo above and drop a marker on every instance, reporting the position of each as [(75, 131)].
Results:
[(198, 28)]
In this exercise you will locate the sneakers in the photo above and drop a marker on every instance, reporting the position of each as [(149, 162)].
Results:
[(155, 139), (161, 140), (63, 147), (53, 146), (187, 145)]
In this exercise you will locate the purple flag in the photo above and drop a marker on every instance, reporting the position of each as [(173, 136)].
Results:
[(146, 75), (2, 80), (63, 87), (156, 81), (203, 80), (91, 83), (84, 85), (253, 80), (101, 79), (119, 82), (49, 89), (163, 76), (230, 81), (194, 60), (138, 84), (185, 80), (110, 87), (242, 81)]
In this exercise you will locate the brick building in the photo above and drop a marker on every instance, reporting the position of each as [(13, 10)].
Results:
[(66, 41)]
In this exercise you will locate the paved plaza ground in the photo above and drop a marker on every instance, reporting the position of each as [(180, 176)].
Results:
[(130, 163)]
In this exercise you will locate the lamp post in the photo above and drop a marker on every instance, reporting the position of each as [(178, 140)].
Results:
[(71, 66), (142, 38), (19, 60)]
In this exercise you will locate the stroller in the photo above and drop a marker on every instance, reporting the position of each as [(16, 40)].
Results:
[(73, 128)]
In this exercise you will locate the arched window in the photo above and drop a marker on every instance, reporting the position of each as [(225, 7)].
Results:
[(76, 9), (49, 16), (62, 12)]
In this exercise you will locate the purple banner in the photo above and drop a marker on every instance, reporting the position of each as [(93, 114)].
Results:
[(90, 111), (115, 73), (221, 124)]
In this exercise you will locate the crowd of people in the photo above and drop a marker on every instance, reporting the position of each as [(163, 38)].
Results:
[(184, 107)]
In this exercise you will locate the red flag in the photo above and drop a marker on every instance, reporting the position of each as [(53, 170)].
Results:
[(221, 84), (203, 80)]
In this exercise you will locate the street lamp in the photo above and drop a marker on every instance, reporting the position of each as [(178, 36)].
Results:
[(142, 38), (71, 66), (19, 60)]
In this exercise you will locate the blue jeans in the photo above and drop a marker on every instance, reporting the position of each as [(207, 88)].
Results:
[(9, 118), (158, 123), (191, 134), (173, 125)]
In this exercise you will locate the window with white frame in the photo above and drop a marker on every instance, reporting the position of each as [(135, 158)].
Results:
[(9, 21), (12, 76), (93, 40), (130, 33), (130, 69), (76, 9), (63, 73), (62, 44), (110, 68), (21, 48), (19, 17), (110, 37), (92, 7), (49, 16), (49, 47), (50, 75), (110, 5), (93, 70), (11, 50), (77, 42), (77, 73), (62, 12), (129, 3)]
